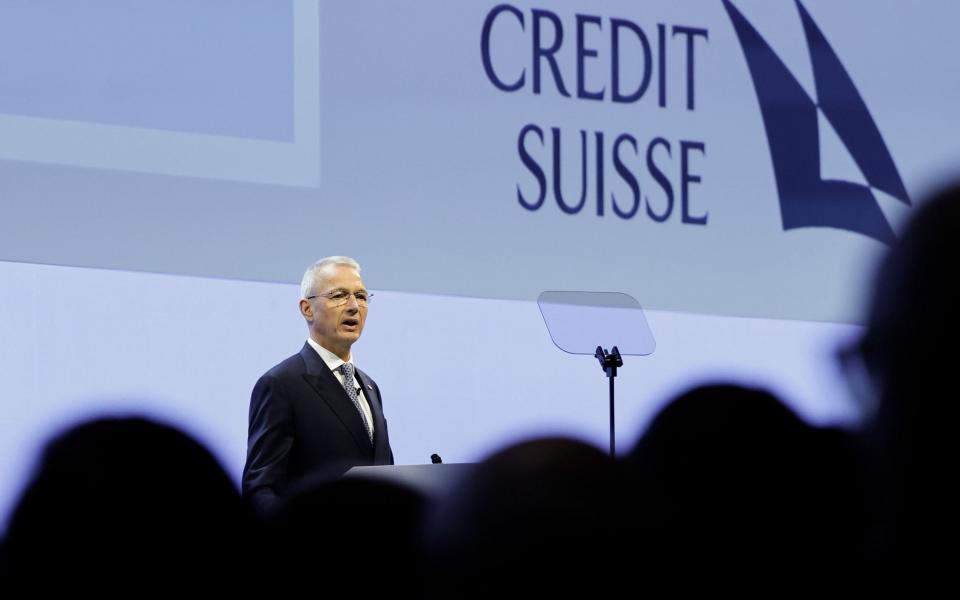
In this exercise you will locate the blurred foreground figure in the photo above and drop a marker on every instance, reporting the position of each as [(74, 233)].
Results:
[(910, 354), (126, 505), (332, 535), (730, 481), (537, 516)]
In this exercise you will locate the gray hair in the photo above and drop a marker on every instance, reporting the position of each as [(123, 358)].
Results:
[(310, 275)]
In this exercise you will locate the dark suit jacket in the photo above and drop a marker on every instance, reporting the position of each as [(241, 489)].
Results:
[(302, 422)]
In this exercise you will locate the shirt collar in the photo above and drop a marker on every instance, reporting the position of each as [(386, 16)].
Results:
[(332, 361)]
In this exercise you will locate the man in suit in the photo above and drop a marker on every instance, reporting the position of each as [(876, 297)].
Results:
[(315, 413)]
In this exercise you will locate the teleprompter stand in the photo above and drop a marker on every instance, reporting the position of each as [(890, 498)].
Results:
[(577, 321)]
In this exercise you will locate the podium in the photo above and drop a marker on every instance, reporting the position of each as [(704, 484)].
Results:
[(430, 480)]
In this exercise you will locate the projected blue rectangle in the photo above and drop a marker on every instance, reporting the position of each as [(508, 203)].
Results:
[(219, 67)]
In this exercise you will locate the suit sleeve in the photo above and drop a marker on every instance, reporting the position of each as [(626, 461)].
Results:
[(386, 430), (269, 443)]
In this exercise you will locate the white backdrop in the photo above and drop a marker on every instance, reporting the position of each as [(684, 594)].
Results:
[(83, 342)]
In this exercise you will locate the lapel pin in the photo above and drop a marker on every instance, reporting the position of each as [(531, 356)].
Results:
[(369, 387)]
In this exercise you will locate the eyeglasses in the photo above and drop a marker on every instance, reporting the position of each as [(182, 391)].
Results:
[(340, 297)]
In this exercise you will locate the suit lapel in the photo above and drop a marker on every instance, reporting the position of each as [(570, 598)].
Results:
[(325, 383)]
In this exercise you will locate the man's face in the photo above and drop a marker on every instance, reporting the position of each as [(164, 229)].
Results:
[(335, 328)]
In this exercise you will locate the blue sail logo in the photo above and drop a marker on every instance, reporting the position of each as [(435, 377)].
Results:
[(790, 120)]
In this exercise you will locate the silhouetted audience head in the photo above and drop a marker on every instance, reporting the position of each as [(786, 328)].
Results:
[(541, 514), (126, 503), (913, 321), (729, 477), (909, 349), (361, 534)]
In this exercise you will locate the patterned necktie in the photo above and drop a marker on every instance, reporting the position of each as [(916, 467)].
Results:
[(348, 384)]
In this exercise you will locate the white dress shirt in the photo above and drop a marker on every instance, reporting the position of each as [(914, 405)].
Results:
[(333, 362)]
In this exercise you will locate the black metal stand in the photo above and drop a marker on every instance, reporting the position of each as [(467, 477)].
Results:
[(609, 363)]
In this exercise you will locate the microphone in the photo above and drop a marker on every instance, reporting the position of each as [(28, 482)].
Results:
[(435, 459)]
